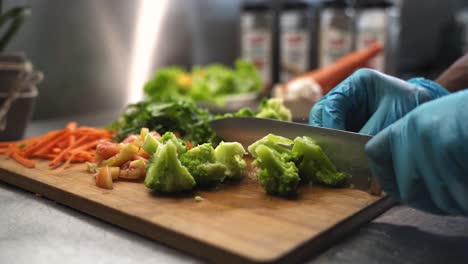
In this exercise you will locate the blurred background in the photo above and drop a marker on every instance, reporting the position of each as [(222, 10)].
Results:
[(96, 55)]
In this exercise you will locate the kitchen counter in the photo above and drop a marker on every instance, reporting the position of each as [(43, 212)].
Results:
[(36, 230)]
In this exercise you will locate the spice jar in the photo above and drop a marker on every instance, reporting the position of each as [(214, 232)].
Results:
[(256, 38), (298, 39), (336, 31), (378, 21)]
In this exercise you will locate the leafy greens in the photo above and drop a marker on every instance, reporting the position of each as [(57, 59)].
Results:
[(181, 117), (209, 84), (186, 119)]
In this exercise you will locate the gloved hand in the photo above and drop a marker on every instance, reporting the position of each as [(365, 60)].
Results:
[(422, 159), (368, 101)]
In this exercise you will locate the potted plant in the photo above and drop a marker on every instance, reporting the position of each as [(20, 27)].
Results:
[(18, 80)]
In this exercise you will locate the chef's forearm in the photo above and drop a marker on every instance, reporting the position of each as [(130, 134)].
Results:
[(455, 78)]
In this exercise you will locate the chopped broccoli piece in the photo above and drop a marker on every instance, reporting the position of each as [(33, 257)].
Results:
[(314, 165), (274, 142), (165, 172), (150, 143), (278, 175), (269, 108), (201, 163), (274, 109), (278, 172), (92, 167), (243, 112), (171, 137), (231, 155)]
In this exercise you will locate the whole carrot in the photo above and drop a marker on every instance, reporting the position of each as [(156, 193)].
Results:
[(329, 76)]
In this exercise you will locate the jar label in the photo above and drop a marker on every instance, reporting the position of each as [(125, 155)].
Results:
[(371, 27), (336, 38), (256, 47), (295, 53)]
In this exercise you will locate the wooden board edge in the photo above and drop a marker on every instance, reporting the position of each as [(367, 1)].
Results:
[(197, 248), (326, 239)]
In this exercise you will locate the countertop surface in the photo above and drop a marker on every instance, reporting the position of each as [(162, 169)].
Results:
[(36, 230)]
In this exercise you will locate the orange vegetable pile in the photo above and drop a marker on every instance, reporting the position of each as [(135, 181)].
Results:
[(121, 161), (61, 147)]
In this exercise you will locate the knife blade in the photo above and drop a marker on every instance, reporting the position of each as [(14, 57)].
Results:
[(345, 149)]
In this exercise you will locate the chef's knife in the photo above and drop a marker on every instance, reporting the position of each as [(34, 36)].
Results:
[(345, 149)]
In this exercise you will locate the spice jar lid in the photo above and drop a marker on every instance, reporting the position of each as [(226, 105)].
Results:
[(295, 5), (336, 3), (255, 7), (372, 4)]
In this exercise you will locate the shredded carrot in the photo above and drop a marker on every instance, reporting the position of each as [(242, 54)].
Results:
[(10, 150), (25, 142), (28, 151), (52, 143), (65, 165), (62, 144), (62, 147), (6, 143), (89, 145), (188, 144), (23, 161), (49, 156), (56, 150), (72, 127), (65, 151)]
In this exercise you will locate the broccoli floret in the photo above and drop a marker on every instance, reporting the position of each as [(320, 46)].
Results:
[(274, 142), (278, 175), (170, 137), (281, 168), (314, 165), (201, 163), (231, 155), (274, 109), (165, 173), (243, 112)]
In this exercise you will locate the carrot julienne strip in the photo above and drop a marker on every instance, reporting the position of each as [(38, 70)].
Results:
[(23, 161), (61, 154), (42, 141), (52, 143)]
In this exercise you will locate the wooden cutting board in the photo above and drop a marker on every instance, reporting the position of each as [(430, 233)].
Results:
[(236, 222)]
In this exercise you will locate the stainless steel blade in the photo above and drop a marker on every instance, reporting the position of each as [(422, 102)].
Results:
[(345, 149)]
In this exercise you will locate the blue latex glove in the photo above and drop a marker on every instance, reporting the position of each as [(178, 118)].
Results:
[(422, 159), (368, 101)]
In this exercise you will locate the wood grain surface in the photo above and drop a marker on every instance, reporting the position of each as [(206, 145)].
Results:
[(236, 222)]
